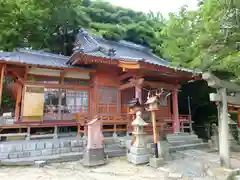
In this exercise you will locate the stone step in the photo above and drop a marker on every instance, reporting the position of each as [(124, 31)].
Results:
[(116, 152), (66, 157), (109, 140), (27, 161), (179, 134), (183, 142), (169, 138), (188, 146), (182, 139)]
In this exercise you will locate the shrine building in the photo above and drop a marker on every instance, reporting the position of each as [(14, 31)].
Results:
[(100, 79)]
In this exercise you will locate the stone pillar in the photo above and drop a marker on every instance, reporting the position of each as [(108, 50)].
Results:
[(28, 137), (55, 136), (224, 130), (138, 151), (238, 125), (176, 121), (94, 153)]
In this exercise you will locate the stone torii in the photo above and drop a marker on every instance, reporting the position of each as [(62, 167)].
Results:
[(227, 93)]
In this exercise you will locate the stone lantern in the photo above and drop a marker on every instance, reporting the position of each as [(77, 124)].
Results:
[(134, 106), (233, 129), (138, 151)]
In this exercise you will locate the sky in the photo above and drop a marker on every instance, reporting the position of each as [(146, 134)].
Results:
[(163, 6)]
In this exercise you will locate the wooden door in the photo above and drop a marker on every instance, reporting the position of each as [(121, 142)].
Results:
[(108, 102), (33, 103)]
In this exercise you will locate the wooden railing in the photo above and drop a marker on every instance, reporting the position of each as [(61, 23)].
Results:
[(114, 124), (122, 123), (185, 123)]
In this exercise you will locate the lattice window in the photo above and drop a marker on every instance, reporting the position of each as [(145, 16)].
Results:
[(64, 103), (108, 95), (82, 101)]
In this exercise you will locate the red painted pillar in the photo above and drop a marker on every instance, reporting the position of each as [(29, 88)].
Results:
[(176, 121)]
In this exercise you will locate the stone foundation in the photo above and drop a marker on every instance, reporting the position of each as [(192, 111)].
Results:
[(38, 148), (93, 157)]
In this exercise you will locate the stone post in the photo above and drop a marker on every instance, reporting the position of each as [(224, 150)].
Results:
[(215, 137), (28, 137), (55, 136), (224, 130), (94, 153), (138, 151)]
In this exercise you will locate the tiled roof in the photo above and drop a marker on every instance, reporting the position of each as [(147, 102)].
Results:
[(89, 45), (121, 50), (32, 57)]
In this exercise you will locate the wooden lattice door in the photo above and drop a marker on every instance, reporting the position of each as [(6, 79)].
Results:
[(107, 100)]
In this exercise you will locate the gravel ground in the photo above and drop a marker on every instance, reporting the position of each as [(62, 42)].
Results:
[(191, 164)]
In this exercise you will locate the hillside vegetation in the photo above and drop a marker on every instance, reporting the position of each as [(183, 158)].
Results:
[(208, 38)]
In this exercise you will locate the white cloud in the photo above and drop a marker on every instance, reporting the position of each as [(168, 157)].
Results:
[(163, 6)]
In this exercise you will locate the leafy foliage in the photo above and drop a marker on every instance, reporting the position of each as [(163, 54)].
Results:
[(207, 38)]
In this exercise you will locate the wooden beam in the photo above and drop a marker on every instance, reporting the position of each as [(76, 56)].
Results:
[(126, 75), (161, 85), (15, 73), (76, 69), (26, 73), (215, 82), (1, 82), (19, 79), (126, 86), (65, 86), (230, 99)]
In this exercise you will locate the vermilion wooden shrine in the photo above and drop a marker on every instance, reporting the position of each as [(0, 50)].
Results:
[(99, 79)]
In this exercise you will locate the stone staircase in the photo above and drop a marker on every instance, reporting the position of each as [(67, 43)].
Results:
[(184, 141), (173, 143)]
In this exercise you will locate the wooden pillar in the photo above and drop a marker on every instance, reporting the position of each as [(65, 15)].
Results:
[(59, 116), (61, 82), (1, 82), (119, 105), (138, 93), (224, 129), (18, 101), (176, 121), (138, 87), (155, 133)]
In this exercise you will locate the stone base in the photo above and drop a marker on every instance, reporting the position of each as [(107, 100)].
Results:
[(156, 162), (93, 157), (235, 146), (163, 150), (139, 151), (138, 159)]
